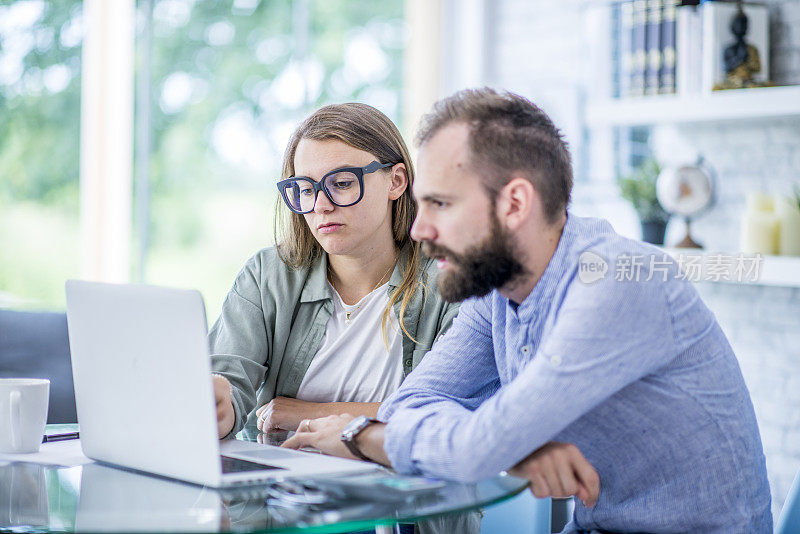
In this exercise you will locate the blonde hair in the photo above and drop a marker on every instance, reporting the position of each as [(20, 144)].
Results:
[(365, 128)]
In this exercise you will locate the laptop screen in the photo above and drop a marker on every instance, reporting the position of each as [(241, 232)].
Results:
[(235, 465)]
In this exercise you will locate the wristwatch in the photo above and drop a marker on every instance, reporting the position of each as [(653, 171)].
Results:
[(352, 430)]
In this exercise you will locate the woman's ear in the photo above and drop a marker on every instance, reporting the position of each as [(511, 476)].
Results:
[(399, 181)]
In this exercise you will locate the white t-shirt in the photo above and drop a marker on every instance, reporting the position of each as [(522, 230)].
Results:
[(353, 364)]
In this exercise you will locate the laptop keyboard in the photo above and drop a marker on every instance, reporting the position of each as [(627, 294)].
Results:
[(235, 465)]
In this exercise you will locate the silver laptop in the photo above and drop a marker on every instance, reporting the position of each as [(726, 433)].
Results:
[(144, 393), (117, 500)]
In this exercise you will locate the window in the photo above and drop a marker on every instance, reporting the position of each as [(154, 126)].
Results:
[(220, 85), (230, 81), (40, 67)]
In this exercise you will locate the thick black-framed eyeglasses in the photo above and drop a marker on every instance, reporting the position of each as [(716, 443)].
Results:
[(343, 187)]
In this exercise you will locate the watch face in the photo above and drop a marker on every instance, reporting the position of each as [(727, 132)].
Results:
[(354, 427), (356, 424)]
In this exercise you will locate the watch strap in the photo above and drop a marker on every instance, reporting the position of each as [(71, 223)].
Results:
[(349, 439)]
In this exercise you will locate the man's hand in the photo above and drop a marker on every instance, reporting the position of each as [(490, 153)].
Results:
[(560, 470), (284, 413), (324, 434), (226, 417)]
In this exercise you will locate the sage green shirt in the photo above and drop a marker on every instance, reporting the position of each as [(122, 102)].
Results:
[(274, 318)]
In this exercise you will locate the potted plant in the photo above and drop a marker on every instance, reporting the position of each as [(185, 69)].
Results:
[(640, 190)]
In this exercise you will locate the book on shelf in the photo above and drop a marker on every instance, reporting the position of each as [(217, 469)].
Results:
[(667, 83), (688, 49), (639, 47), (674, 46), (624, 49), (653, 47)]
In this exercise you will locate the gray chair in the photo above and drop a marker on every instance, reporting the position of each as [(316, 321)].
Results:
[(790, 515), (36, 345)]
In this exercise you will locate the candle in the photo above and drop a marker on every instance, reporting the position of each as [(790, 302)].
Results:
[(759, 226), (788, 214)]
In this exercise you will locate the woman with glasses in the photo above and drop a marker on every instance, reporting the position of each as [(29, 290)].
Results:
[(332, 319)]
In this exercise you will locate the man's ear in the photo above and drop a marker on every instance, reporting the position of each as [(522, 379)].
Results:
[(399, 181), (516, 202)]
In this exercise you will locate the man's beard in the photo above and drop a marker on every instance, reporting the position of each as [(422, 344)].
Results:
[(489, 265)]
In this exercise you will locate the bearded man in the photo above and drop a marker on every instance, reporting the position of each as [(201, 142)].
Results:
[(559, 341)]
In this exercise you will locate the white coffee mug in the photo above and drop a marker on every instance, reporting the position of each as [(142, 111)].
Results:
[(23, 413)]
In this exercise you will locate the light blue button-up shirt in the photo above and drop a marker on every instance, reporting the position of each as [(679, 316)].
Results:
[(634, 370)]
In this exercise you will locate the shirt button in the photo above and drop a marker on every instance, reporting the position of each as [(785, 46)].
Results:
[(407, 362), (555, 360), (526, 350)]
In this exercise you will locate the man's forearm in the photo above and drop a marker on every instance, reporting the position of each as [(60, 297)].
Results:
[(370, 443)]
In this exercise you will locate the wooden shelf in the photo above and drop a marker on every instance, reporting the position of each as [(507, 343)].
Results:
[(780, 271), (737, 104)]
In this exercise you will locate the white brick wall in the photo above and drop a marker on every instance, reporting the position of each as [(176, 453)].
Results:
[(539, 49), (763, 326)]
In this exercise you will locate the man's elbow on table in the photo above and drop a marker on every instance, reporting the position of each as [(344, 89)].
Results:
[(557, 470)]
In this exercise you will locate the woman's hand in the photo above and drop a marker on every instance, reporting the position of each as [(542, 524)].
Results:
[(226, 417), (284, 413)]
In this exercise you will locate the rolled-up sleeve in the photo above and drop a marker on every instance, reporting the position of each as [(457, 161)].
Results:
[(604, 337)]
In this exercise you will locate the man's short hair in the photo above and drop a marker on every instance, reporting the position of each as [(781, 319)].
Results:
[(508, 135)]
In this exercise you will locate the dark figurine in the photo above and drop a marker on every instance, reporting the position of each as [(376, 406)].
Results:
[(742, 60)]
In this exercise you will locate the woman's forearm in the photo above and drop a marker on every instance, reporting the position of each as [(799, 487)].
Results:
[(370, 409), (286, 413)]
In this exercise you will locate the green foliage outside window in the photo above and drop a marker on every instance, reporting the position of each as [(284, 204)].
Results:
[(230, 79)]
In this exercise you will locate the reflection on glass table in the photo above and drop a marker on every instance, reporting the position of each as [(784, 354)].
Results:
[(95, 497)]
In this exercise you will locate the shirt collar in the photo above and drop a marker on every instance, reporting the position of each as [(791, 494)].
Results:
[(554, 271), (316, 287), (396, 279)]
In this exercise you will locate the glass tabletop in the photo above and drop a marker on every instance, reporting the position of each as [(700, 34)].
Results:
[(95, 497)]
